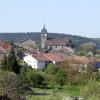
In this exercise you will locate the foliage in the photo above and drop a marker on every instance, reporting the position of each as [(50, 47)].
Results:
[(52, 69), (81, 53), (97, 56), (10, 62), (75, 76), (91, 90), (31, 76), (11, 86), (88, 47), (61, 77), (55, 76)]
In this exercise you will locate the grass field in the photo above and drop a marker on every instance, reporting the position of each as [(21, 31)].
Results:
[(55, 94)]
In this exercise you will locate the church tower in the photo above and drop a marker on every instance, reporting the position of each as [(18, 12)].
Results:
[(43, 37)]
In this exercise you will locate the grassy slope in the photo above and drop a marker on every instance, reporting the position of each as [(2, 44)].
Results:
[(50, 94)]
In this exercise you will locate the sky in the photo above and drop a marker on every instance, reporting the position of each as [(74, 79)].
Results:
[(76, 17)]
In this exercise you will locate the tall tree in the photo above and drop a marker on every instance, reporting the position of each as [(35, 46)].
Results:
[(10, 62)]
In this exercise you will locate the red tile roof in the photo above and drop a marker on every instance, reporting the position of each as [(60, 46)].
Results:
[(49, 57), (5, 45), (41, 57), (65, 50), (55, 57), (81, 59), (57, 42)]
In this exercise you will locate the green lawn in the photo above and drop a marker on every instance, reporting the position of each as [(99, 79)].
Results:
[(55, 94)]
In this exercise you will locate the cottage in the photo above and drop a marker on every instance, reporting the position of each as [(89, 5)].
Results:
[(41, 61)]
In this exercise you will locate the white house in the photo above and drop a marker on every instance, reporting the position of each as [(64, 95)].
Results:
[(37, 61), (40, 61)]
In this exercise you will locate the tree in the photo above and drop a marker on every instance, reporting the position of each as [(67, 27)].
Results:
[(52, 69), (56, 76), (10, 62), (32, 77), (61, 77), (91, 91), (88, 47), (81, 53), (11, 86)]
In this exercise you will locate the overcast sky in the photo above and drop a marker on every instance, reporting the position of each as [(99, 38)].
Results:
[(78, 17)]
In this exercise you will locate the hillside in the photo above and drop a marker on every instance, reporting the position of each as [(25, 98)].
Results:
[(77, 40)]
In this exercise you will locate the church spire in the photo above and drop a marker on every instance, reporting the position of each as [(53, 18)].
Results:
[(44, 26), (44, 30)]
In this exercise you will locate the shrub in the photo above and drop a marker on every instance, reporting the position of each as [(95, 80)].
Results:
[(11, 86), (91, 90)]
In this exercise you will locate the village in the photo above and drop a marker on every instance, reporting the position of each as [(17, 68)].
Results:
[(51, 57), (49, 50)]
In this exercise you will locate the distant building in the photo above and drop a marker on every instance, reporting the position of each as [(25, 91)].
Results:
[(27, 43), (4, 47), (54, 43), (43, 37)]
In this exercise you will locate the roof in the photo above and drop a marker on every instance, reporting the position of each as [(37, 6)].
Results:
[(5, 45), (49, 57), (66, 50), (81, 59), (55, 57), (44, 30), (40, 57), (57, 42), (2, 50)]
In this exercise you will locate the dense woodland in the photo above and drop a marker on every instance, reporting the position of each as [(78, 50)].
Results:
[(77, 40)]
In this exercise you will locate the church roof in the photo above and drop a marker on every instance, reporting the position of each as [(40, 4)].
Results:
[(57, 42), (44, 30)]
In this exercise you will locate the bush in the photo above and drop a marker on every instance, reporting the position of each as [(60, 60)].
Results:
[(52, 69), (31, 76), (91, 90), (11, 86)]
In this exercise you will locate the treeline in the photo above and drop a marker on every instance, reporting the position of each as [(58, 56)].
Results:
[(17, 37)]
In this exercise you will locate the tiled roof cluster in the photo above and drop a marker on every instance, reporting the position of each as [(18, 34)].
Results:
[(81, 59), (49, 57)]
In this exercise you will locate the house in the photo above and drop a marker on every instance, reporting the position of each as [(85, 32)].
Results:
[(5, 45), (27, 43), (41, 61), (37, 61), (65, 51), (80, 62)]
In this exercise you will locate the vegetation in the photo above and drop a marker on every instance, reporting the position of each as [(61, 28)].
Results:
[(91, 91), (77, 40), (10, 62), (11, 86), (87, 47), (54, 82)]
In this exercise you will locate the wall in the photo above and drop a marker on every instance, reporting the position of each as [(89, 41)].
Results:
[(40, 65), (31, 61)]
